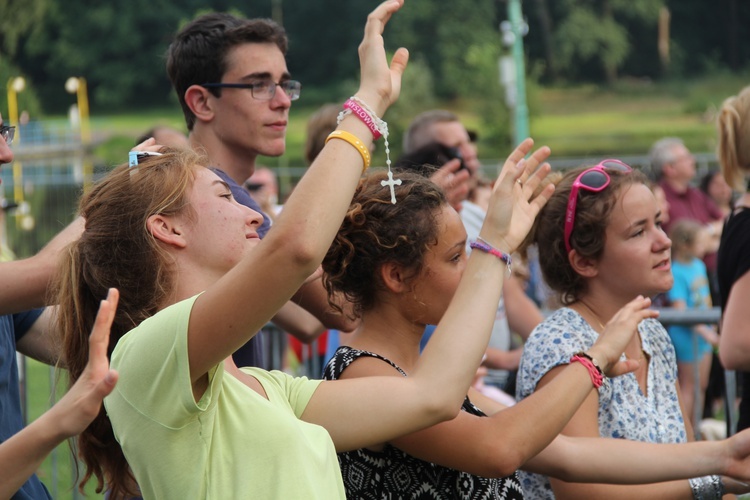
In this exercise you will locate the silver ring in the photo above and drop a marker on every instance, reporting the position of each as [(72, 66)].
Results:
[(519, 182)]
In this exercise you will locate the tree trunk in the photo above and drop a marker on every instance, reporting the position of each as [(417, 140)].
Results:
[(733, 35), (545, 23)]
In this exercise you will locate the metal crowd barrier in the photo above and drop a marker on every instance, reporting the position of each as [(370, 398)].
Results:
[(712, 316)]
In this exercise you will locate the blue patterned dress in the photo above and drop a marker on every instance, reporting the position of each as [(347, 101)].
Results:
[(392, 474), (624, 411)]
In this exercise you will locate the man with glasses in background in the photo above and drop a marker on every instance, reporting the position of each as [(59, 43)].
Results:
[(232, 81)]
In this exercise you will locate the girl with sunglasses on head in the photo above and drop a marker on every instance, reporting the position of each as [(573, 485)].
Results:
[(400, 265), (601, 244)]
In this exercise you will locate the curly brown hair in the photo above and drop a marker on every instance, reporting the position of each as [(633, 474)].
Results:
[(592, 217), (117, 250), (376, 231)]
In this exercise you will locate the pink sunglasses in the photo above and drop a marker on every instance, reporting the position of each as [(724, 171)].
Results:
[(594, 179)]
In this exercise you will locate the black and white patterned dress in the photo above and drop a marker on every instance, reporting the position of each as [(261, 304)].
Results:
[(392, 474)]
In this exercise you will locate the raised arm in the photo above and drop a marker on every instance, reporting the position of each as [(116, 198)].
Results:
[(455, 182), (313, 298), (365, 411), (298, 322), (498, 445), (22, 454), (24, 283), (302, 234)]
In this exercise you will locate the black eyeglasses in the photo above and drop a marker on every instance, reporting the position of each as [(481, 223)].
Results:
[(263, 91), (8, 132)]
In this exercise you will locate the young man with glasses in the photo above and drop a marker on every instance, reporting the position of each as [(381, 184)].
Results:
[(232, 81)]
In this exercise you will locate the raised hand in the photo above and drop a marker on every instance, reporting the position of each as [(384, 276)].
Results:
[(617, 333), (454, 182), (512, 210), (380, 83), (81, 404), (148, 145)]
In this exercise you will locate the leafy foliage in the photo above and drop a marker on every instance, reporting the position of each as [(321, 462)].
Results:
[(118, 45), (17, 20), (584, 36)]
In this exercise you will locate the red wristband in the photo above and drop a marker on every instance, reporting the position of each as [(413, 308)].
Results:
[(597, 377), (363, 115)]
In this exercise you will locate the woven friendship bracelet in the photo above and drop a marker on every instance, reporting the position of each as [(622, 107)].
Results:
[(597, 376), (484, 246), (354, 141)]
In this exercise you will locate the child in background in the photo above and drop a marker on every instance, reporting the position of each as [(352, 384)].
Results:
[(693, 345)]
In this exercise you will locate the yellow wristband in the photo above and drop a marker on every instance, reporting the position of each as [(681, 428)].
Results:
[(354, 141)]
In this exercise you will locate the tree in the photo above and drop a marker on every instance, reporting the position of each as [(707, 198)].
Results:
[(593, 40), (17, 20), (444, 32), (595, 31)]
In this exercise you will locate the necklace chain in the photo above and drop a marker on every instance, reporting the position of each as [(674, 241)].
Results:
[(593, 313), (601, 325)]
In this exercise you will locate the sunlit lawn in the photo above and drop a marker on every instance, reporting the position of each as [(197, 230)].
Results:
[(574, 121), (57, 471), (629, 117)]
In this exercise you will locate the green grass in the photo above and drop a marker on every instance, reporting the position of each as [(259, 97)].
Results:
[(57, 470), (625, 118), (628, 117)]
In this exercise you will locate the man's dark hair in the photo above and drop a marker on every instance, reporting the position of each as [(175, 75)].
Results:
[(426, 160), (198, 52)]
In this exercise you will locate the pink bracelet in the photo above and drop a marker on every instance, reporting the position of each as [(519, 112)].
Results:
[(363, 115), (597, 377)]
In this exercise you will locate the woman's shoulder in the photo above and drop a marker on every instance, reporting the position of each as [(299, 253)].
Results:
[(296, 390), (345, 356), (653, 328), (564, 321), (551, 344), (177, 314), (157, 333)]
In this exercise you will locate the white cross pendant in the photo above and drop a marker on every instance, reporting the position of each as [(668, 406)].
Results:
[(391, 183)]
